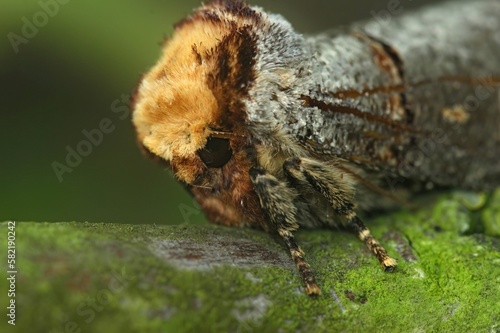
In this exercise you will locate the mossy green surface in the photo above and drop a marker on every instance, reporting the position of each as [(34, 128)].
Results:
[(82, 277)]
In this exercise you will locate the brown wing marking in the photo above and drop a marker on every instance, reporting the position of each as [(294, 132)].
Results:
[(312, 102), (488, 81)]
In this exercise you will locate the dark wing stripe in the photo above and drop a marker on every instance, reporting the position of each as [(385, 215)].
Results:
[(491, 81), (323, 106)]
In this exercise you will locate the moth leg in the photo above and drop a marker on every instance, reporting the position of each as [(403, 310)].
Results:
[(276, 198), (338, 189), (388, 263)]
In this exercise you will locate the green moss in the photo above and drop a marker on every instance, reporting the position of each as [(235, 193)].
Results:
[(490, 216), (81, 277)]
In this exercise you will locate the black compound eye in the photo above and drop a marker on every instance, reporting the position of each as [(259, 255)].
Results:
[(216, 153)]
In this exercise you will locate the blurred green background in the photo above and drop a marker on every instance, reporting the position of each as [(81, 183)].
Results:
[(71, 74)]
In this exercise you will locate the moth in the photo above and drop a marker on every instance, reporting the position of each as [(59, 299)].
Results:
[(269, 128)]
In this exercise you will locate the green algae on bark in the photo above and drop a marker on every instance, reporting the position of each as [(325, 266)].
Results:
[(86, 277)]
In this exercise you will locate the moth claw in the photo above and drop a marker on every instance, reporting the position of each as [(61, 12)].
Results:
[(389, 264), (313, 290)]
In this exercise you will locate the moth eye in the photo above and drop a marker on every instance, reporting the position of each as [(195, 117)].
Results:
[(216, 153)]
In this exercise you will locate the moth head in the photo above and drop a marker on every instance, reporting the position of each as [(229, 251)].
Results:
[(188, 109)]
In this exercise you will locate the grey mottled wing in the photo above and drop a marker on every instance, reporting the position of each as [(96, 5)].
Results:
[(418, 97)]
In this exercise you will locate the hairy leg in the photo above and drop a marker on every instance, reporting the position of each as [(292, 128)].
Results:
[(277, 200), (338, 189)]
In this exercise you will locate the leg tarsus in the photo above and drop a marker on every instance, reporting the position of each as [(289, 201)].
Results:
[(303, 267), (388, 263)]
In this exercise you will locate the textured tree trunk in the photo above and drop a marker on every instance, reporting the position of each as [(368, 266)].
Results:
[(83, 277)]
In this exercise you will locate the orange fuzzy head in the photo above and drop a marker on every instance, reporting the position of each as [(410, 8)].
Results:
[(188, 109)]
